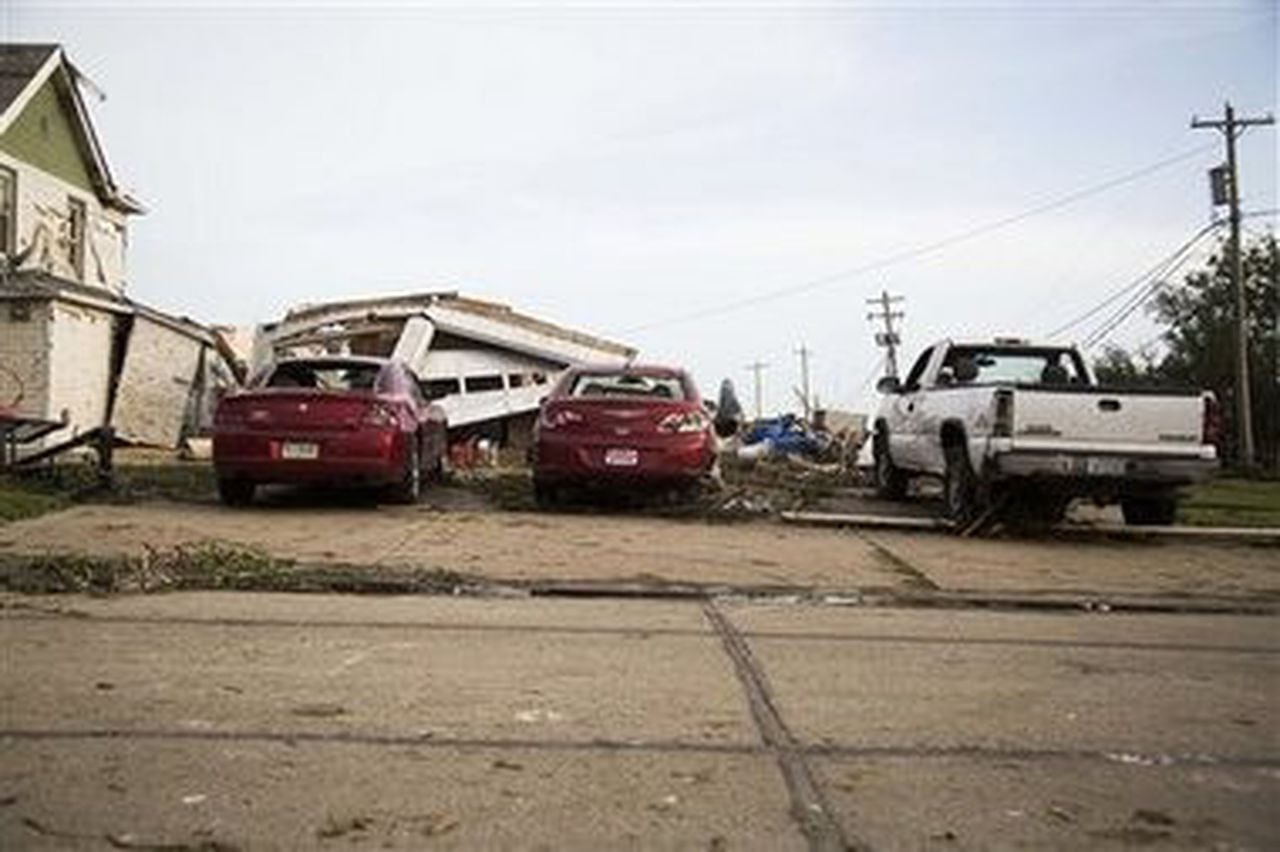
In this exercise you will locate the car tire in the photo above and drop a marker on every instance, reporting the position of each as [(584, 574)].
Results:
[(891, 483), (959, 486), (546, 495), (236, 492), (1149, 511), (409, 488)]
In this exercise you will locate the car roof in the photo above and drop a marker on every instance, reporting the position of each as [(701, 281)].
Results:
[(659, 370)]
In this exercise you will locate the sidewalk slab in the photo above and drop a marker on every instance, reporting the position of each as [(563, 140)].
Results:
[(914, 803), (471, 681), (157, 794), (1153, 694)]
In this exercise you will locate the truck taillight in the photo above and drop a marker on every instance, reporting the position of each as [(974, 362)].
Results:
[(1211, 421), (1002, 427)]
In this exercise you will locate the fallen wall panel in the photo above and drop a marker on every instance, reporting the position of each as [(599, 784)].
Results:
[(161, 369)]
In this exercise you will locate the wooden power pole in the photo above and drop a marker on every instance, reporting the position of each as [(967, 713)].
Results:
[(1231, 127), (805, 399), (757, 369), (889, 337)]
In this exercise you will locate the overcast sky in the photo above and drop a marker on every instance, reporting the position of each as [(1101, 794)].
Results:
[(638, 171)]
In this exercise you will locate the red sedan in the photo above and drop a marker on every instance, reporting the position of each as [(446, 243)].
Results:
[(348, 420), (621, 427)]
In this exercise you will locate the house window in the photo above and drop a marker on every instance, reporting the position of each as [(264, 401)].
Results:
[(8, 210), (440, 388), (477, 384), (75, 236)]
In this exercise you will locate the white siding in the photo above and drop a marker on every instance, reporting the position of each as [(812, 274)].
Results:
[(24, 357), (160, 370), (80, 366)]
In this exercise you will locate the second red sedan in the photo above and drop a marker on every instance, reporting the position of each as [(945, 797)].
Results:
[(621, 428)]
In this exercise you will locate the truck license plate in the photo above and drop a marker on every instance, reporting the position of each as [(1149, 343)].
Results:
[(299, 450), (1103, 466), (622, 457)]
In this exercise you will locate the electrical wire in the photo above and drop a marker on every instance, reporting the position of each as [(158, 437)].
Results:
[(926, 248), (1137, 282), (1104, 330)]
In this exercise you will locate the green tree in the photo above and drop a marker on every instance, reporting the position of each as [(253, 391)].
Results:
[(1199, 316)]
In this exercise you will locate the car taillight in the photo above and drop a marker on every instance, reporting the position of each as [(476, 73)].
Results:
[(1003, 425), (684, 421), (558, 418), (227, 416), (1211, 421), (379, 416)]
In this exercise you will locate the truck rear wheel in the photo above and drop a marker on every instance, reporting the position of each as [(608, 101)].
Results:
[(891, 483), (959, 487), (1149, 511)]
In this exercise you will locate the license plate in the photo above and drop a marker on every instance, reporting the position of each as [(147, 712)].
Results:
[(1104, 466), (299, 450), (622, 457)]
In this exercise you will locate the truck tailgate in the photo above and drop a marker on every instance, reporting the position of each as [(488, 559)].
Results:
[(1103, 418)]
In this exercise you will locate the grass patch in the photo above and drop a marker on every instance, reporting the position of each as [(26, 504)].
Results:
[(20, 500), (1232, 503), (214, 566)]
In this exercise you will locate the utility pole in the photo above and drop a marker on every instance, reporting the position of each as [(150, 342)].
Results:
[(805, 400), (756, 368), (889, 337), (1231, 127)]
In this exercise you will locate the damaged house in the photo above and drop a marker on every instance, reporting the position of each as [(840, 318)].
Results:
[(76, 354), (486, 364)]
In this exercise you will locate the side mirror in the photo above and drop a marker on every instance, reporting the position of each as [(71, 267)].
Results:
[(889, 384)]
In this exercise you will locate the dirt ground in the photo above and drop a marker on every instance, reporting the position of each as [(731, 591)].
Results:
[(458, 533)]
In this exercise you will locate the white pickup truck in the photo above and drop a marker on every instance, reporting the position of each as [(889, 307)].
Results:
[(1025, 428)]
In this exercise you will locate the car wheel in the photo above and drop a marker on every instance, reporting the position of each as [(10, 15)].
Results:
[(409, 488), (236, 492), (1149, 511), (891, 483), (959, 487), (546, 495)]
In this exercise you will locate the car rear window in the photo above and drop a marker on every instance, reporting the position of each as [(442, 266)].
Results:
[(589, 385), (324, 375)]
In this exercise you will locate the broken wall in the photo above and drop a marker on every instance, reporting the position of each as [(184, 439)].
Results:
[(80, 366), (24, 355), (43, 224), (159, 376)]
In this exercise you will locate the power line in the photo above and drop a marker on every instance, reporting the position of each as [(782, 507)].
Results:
[(926, 248), (1103, 331), (1137, 282)]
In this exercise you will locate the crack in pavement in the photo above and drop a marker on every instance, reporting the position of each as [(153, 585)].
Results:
[(911, 576), (1119, 755), (809, 806), (638, 632)]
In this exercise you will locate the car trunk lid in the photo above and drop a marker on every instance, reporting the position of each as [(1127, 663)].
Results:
[(311, 410)]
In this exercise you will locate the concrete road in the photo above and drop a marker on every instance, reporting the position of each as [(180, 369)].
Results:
[(220, 721)]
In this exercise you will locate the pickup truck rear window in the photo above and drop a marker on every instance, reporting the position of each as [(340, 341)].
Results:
[(992, 365)]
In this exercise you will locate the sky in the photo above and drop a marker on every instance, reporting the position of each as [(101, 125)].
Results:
[(714, 184)]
